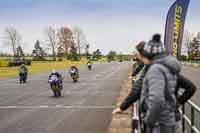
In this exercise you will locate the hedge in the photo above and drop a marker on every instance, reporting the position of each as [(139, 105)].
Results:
[(18, 63)]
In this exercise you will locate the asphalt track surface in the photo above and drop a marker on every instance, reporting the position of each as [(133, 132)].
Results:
[(85, 107), (194, 75)]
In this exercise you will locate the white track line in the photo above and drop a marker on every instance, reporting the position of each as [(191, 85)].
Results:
[(56, 107)]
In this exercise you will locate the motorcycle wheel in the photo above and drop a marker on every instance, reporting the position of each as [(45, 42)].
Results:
[(54, 89), (55, 93), (89, 68), (24, 80), (20, 80), (59, 93), (75, 80)]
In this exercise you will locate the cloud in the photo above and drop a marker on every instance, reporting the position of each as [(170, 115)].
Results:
[(108, 24)]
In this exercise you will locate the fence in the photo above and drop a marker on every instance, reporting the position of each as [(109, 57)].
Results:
[(193, 120)]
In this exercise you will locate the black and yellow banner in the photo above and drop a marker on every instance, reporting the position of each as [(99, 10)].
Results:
[(175, 27)]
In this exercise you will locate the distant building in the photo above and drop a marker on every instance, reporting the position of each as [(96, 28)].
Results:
[(198, 36)]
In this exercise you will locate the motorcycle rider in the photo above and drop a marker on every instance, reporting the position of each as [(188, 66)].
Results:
[(74, 73), (59, 77), (89, 64), (74, 68), (23, 72)]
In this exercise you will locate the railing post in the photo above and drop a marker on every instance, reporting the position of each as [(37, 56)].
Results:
[(134, 119), (192, 119), (183, 120)]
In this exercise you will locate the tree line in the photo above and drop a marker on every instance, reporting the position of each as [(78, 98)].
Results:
[(62, 42)]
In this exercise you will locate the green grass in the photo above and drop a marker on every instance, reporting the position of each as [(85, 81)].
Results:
[(40, 66)]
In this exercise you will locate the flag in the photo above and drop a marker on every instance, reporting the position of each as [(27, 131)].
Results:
[(174, 27)]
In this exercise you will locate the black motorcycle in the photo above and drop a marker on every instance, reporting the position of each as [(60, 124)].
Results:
[(23, 77), (74, 75), (89, 66)]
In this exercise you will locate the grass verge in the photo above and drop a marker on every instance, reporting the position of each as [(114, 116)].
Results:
[(40, 66)]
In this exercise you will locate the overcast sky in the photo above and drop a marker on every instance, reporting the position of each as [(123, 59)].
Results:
[(108, 24)]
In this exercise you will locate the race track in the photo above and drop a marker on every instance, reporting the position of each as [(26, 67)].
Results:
[(85, 107)]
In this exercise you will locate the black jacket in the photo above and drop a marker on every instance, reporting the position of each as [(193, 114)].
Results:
[(136, 90), (187, 86), (137, 67), (74, 68)]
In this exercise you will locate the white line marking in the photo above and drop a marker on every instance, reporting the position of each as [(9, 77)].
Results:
[(59, 105), (43, 106), (11, 106), (56, 107)]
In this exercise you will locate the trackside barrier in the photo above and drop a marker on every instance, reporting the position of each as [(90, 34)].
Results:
[(135, 119), (191, 120)]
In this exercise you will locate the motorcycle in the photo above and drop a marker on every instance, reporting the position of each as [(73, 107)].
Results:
[(55, 85), (89, 66), (74, 75), (22, 77)]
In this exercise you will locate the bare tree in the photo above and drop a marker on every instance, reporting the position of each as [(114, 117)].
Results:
[(87, 53), (80, 39), (65, 39), (52, 40), (19, 51), (187, 39), (13, 38)]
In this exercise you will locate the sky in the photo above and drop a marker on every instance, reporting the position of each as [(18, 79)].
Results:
[(108, 24)]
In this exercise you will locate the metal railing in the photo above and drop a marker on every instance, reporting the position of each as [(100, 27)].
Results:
[(134, 118), (191, 120)]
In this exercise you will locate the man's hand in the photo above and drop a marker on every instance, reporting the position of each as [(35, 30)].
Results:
[(117, 111), (131, 77)]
